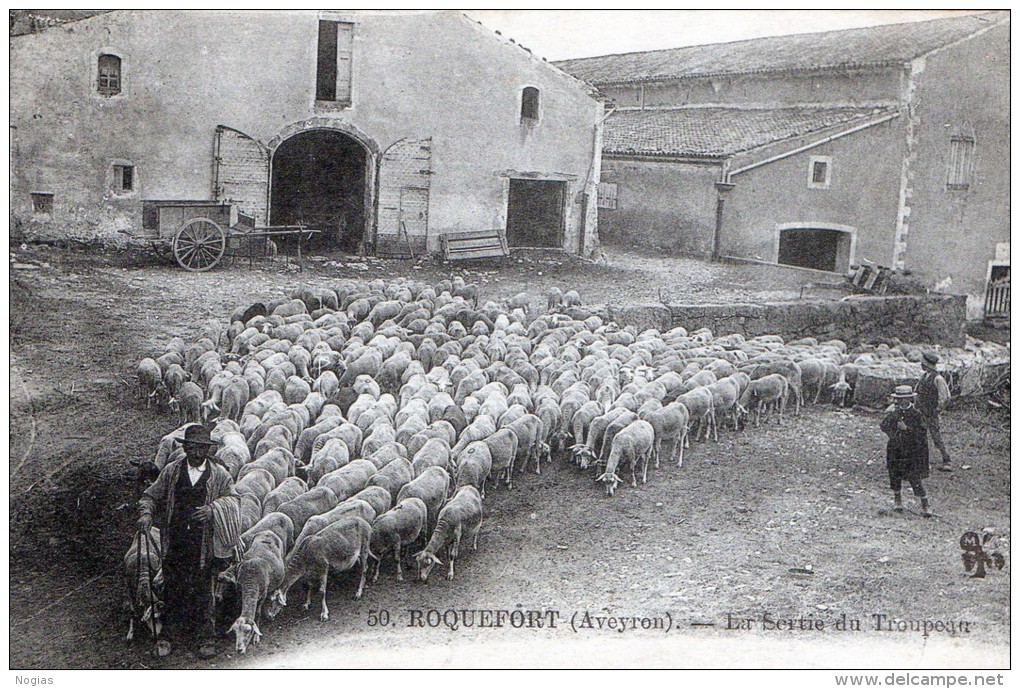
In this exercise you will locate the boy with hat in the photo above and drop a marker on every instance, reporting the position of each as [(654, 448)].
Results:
[(906, 455), (190, 490), (932, 396)]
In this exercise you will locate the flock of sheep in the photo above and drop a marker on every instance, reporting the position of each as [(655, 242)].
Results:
[(367, 420)]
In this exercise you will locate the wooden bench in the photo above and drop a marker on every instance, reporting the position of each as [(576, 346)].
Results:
[(480, 244)]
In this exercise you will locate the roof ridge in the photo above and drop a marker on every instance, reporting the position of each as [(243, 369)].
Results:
[(754, 107), (761, 38)]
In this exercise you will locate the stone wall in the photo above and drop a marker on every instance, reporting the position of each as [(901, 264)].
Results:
[(931, 319)]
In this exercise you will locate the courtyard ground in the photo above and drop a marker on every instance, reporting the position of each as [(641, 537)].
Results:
[(790, 521)]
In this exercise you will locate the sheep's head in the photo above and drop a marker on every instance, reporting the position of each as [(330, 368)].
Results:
[(426, 561), (246, 632), (582, 455), (611, 481)]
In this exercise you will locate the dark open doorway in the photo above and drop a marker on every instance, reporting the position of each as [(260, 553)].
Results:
[(815, 248), (319, 181), (535, 213)]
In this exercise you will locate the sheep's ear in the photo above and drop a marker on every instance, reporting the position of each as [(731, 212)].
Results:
[(603, 477), (435, 559), (257, 635)]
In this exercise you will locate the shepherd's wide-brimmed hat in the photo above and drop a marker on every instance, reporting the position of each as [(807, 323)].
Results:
[(198, 434), (930, 358), (903, 392)]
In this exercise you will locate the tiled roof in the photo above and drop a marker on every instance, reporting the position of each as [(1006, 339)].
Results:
[(717, 132), (877, 45)]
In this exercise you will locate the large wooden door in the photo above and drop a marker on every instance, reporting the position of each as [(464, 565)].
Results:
[(241, 172), (405, 173)]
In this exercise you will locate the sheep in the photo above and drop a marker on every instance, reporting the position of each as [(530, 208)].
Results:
[(345, 508), (333, 455), (812, 373), (571, 298), (463, 513), (772, 389), (258, 574), (633, 444), (395, 529), (841, 389), (431, 488), (587, 449), (250, 512), (699, 405), (394, 476), (258, 483), (278, 523), (286, 490), (348, 479), (376, 496), (300, 509), (473, 467), (670, 425), (279, 462), (143, 577), (173, 379), (724, 401), (150, 381), (503, 450), (233, 452), (339, 547), (435, 452), (189, 401), (529, 432), (553, 298)]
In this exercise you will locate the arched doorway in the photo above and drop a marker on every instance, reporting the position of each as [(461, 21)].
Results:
[(319, 179), (818, 246)]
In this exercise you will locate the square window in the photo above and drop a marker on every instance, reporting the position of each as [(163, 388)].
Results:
[(123, 178), (819, 172), (42, 202)]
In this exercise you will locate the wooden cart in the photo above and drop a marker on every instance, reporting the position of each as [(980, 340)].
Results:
[(201, 233)]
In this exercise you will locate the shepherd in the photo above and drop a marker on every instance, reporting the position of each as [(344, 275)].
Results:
[(932, 397), (906, 455), (200, 514)]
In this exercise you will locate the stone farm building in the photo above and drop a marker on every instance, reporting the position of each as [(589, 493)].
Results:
[(886, 144), (360, 123)]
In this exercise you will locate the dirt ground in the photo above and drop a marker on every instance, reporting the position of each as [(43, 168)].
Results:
[(716, 538)]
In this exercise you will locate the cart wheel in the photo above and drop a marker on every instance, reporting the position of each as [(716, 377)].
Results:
[(199, 245)]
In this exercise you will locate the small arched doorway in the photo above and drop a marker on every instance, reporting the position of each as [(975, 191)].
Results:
[(821, 247), (319, 179)]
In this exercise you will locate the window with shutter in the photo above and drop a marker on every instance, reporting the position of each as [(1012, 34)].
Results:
[(333, 71), (961, 163), (607, 195)]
